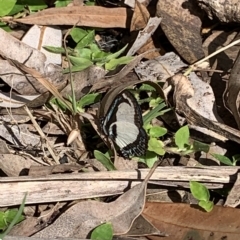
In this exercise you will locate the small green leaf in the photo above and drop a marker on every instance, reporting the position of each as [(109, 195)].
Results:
[(206, 205), (77, 68), (99, 56), (182, 137), (149, 159), (113, 63), (106, 162), (222, 159), (54, 49), (199, 146), (79, 61), (15, 219), (86, 40), (199, 191), (83, 53), (78, 34), (35, 5), (157, 111), (157, 131), (103, 232), (5, 27), (62, 3), (117, 54), (6, 7), (156, 146), (88, 99)]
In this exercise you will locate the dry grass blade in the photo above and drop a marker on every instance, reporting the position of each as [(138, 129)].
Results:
[(50, 87), (56, 159)]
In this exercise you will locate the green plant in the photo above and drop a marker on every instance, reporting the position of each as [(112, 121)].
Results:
[(11, 217), (13, 7), (103, 232), (201, 193), (104, 159), (87, 52), (225, 160)]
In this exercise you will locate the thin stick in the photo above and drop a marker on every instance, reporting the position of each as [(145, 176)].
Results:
[(42, 135)]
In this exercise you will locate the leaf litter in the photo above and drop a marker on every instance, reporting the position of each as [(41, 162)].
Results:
[(33, 78)]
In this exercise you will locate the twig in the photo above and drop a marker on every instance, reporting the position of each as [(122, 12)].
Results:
[(42, 135)]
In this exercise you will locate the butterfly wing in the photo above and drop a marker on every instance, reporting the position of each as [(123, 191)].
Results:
[(123, 124)]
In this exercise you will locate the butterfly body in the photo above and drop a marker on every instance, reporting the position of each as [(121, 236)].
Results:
[(123, 124)]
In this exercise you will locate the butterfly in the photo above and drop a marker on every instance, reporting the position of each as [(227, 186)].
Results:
[(123, 124)]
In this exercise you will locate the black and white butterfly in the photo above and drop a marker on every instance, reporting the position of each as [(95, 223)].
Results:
[(124, 125)]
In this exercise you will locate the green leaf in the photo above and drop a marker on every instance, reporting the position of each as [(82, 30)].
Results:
[(199, 146), (88, 99), (103, 232), (157, 131), (199, 191), (99, 56), (78, 34), (35, 5), (117, 54), (5, 27), (62, 3), (83, 53), (79, 61), (54, 49), (86, 40), (156, 146), (113, 63), (206, 205), (154, 113), (6, 6), (77, 68), (182, 137), (223, 159), (236, 158), (3, 223), (149, 159), (106, 162), (15, 219)]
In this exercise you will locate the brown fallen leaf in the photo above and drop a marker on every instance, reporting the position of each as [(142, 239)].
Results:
[(234, 91), (233, 198), (183, 221), (89, 16), (182, 27), (183, 93), (224, 10)]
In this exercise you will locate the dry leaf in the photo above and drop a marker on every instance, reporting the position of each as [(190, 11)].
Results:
[(183, 221), (182, 27), (89, 16)]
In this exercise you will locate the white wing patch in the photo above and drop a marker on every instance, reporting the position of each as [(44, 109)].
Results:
[(127, 133)]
